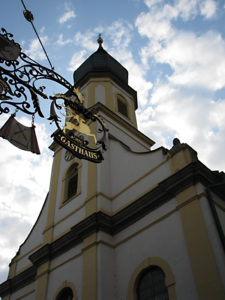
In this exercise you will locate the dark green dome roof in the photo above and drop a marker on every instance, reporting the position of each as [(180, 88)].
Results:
[(100, 63)]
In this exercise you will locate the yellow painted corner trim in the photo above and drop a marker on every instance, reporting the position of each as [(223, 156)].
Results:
[(152, 261), (52, 196), (90, 268), (202, 258), (191, 199)]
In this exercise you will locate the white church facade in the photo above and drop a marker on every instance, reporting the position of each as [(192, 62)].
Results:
[(141, 225)]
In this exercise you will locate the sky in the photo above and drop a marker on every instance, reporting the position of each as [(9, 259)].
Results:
[(174, 52)]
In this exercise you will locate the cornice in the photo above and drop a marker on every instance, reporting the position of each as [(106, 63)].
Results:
[(19, 281), (192, 174)]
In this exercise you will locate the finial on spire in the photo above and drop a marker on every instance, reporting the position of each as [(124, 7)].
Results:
[(100, 40)]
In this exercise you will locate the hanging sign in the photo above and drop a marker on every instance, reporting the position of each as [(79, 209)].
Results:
[(75, 134)]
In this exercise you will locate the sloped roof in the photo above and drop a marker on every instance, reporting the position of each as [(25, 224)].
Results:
[(101, 62)]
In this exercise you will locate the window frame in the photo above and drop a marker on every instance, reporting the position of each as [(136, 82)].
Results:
[(66, 180), (147, 262), (154, 273), (122, 100)]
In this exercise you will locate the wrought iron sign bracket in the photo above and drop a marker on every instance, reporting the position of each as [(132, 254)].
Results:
[(19, 89)]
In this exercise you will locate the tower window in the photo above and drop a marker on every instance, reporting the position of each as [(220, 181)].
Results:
[(151, 285), (71, 182), (122, 106)]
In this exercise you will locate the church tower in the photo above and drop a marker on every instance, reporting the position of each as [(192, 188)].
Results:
[(142, 224)]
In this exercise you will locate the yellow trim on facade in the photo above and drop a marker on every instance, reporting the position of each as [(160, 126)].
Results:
[(188, 201), (91, 205), (133, 113), (203, 262), (109, 95), (180, 160), (89, 272), (48, 233), (156, 261), (91, 94), (42, 281)]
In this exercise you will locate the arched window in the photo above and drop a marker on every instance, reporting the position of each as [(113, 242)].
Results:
[(122, 106), (151, 285), (70, 183), (65, 294), (72, 178)]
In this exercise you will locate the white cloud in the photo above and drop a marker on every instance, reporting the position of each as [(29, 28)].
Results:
[(86, 40), (196, 61), (24, 184), (35, 50), (153, 26), (119, 32), (208, 8), (151, 3), (181, 104), (63, 42), (193, 118), (76, 59), (67, 16)]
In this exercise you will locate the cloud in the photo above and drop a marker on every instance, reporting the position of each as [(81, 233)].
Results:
[(208, 8), (183, 103), (76, 59), (151, 3), (87, 40), (192, 117), (195, 60), (67, 16), (63, 42), (24, 184), (35, 50)]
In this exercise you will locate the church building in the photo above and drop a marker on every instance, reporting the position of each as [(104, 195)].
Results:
[(141, 225)]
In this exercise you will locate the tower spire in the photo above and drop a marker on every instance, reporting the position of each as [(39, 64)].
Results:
[(100, 40)]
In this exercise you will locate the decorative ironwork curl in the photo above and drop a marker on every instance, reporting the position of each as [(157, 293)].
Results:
[(20, 78), (17, 77)]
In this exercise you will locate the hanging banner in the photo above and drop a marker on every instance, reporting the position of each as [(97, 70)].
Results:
[(21, 136)]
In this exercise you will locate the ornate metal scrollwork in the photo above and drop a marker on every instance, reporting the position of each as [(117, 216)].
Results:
[(19, 89)]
